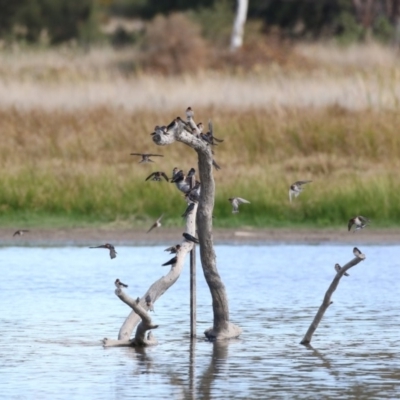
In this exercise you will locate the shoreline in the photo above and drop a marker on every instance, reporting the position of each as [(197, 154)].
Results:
[(54, 237)]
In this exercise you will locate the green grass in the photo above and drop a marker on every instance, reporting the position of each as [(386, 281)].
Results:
[(74, 168)]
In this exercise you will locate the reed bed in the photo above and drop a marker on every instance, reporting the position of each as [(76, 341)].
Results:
[(76, 166)]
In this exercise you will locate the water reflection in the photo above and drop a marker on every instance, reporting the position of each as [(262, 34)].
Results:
[(64, 303)]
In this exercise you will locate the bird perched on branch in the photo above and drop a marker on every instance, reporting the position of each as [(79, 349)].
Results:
[(173, 249), (172, 261), (108, 246), (235, 201), (189, 113), (159, 130), (338, 268), (119, 284), (357, 253), (146, 157), (360, 222), (296, 188), (188, 210), (209, 136), (149, 303), (190, 238), (20, 232), (157, 176), (156, 224), (216, 166), (183, 183)]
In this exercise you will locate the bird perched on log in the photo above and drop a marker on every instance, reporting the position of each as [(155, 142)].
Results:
[(146, 157), (108, 246), (338, 268), (188, 210), (172, 261), (209, 136), (20, 232), (296, 188), (157, 176), (357, 253), (194, 194), (159, 130), (149, 303), (156, 224), (182, 182), (119, 284), (235, 201), (359, 221), (216, 166), (173, 249), (190, 238)]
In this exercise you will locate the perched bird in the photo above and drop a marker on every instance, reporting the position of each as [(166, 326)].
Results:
[(217, 167), (296, 188), (156, 176), (189, 113), (209, 136), (190, 238), (119, 284), (359, 221), (146, 157), (173, 249), (357, 253), (172, 261), (179, 178), (108, 246), (200, 127), (20, 232), (149, 303), (159, 130), (194, 194), (156, 224), (191, 178), (235, 201), (188, 210), (338, 268)]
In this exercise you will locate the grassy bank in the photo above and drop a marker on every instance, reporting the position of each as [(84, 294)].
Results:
[(73, 168)]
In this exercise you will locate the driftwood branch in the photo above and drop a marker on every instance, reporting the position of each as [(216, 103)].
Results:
[(178, 130), (141, 339), (156, 290), (327, 299)]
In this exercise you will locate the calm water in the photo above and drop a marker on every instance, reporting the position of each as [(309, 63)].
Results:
[(56, 304)]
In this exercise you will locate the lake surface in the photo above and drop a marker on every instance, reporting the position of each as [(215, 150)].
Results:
[(56, 304)]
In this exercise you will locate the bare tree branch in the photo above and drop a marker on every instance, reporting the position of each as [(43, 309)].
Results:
[(327, 299), (156, 290)]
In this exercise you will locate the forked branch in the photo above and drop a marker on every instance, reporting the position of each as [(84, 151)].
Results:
[(140, 308)]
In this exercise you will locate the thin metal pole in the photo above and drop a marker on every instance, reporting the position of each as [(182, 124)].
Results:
[(193, 292)]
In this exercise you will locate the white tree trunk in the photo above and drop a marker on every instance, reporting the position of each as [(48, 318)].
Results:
[(238, 25), (222, 328)]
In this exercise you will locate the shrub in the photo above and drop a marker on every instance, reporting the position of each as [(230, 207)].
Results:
[(173, 45)]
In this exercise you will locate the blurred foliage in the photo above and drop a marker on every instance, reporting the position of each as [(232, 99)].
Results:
[(63, 20)]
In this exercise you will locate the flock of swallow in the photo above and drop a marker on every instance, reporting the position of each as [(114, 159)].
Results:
[(191, 190)]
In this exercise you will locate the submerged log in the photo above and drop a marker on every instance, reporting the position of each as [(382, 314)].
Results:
[(327, 299)]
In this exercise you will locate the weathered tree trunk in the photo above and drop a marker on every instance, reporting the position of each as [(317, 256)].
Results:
[(156, 290), (238, 25), (176, 131), (327, 299)]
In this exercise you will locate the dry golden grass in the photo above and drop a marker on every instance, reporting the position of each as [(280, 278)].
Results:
[(314, 76), (67, 134)]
